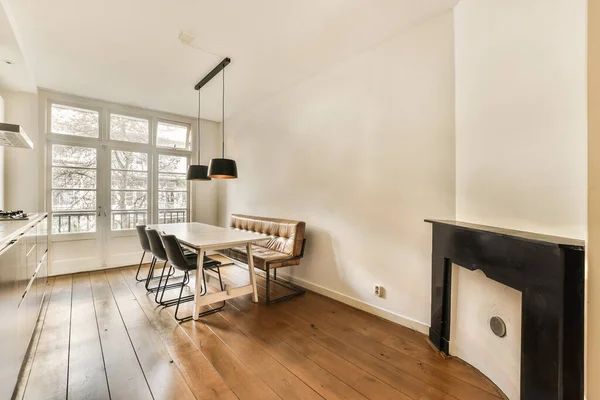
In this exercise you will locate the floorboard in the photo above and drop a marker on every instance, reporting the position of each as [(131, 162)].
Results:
[(161, 373), (87, 377), (126, 379), (103, 336), (50, 367)]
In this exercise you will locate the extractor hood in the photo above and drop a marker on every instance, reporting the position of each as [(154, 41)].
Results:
[(14, 136)]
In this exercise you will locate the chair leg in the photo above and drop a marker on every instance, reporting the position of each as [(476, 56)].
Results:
[(297, 291), (137, 274), (150, 273), (177, 307), (213, 310), (166, 283), (162, 274), (172, 302), (171, 286), (220, 279)]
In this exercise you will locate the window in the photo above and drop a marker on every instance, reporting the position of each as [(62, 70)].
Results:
[(111, 171), (67, 120), (129, 189), (73, 189), (172, 189), (129, 129), (172, 136)]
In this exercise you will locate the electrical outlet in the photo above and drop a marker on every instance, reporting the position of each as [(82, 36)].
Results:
[(378, 290)]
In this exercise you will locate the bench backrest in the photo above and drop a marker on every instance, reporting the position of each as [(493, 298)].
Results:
[(285, 235)]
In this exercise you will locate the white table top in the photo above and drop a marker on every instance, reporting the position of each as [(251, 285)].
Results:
[(207, 237)]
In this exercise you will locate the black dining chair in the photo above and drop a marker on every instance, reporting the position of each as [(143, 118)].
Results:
[(141, 231), (158, 251), (178, 261)]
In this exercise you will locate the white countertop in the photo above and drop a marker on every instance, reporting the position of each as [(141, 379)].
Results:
[(10, 230)]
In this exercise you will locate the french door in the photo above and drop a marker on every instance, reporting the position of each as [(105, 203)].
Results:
[(99, 189), (100, 193)]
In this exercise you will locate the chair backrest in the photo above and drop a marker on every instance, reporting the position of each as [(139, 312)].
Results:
[(141, 231), (156, 246), (175, 253), (284, 235)]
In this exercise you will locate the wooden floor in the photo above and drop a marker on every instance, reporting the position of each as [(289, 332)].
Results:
[(100, 336)]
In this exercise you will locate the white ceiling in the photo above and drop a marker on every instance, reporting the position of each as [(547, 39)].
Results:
[(128, 51)]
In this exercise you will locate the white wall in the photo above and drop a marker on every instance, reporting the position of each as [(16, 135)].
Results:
[(362, 152), (21, 166), (520, 149), (204, 199), (2, 158)]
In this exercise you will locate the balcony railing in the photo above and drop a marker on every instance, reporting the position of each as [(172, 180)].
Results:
[(171, 216), (128, 219), (74, 222), (81, 222)]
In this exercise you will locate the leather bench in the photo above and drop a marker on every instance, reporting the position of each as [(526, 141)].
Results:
[(283, 246)]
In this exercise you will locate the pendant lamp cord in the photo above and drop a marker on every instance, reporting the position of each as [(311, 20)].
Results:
[(223, 117), (198, 127)]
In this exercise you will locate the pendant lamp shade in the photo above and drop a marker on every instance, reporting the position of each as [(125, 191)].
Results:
[(198, 172), (222, 168)]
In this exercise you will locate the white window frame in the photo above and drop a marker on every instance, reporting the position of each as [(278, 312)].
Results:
[(103, 142)]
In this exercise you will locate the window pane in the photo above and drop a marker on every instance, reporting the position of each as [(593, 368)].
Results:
[(129, 160), (128, 219), (120, 200), (73, 223), (171, 217), (73, 156), (172, 182), (171, 135), (128, 180), (170, 200), (66, 200), (129, 129), (73, 178), (68, 120), (172, 164)]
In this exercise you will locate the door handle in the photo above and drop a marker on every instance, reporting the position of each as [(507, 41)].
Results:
[(99, 210)]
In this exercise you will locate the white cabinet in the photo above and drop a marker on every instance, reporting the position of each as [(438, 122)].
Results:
[(23, 278)]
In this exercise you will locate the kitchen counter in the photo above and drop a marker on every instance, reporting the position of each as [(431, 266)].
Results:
[(23, 281), (10, 230)]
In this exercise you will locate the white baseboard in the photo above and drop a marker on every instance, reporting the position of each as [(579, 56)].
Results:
[(361, 305)]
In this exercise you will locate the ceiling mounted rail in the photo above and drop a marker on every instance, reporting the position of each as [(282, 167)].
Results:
[(213, 73)]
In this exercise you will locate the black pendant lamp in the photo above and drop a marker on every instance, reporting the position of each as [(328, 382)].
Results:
[(222, 168), (198, 172)]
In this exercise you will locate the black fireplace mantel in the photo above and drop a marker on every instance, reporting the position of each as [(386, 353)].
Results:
[(548, 271)]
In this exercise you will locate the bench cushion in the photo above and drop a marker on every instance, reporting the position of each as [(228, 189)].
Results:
[(261, 256), (283, 235), (283, 239)]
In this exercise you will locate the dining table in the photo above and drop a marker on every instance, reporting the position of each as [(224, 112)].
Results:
[(202, 238)]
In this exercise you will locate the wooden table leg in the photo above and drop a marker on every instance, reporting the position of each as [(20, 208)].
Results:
[(251, 270), (199, 282)]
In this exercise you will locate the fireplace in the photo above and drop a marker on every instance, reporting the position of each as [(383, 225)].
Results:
[(548, 271)]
